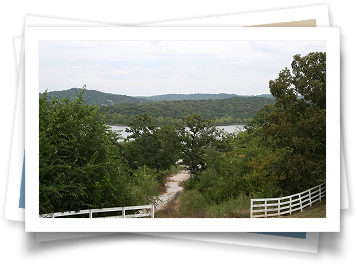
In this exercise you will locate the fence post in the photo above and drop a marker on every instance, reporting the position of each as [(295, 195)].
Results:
[(251, 208), (310, 197), (320, 191), (90, 213), (123, 212), (266, 208), (152, 211), (300, 202), (279, 207), (290, 206)]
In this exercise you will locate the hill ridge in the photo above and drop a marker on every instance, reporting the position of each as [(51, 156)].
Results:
[(95, 97), (107, 99)]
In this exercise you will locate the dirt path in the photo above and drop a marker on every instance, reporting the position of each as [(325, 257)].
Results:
[(172, 187)]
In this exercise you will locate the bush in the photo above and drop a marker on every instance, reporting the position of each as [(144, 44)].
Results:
[(233, 208), (192, 204), (144, 186), (81, 166)]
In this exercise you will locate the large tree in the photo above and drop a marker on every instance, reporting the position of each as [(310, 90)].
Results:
[(199, 134), (296, 124), (152, 146), (80, 164)]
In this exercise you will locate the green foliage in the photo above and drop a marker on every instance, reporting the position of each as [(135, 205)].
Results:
[(199, 135), (267, 172), (144, 186), (298, 123), (93, 97), (283, 150), (80, 162), (291, 134), (235, 110), (238, 207), (192, 204), (150, 145)]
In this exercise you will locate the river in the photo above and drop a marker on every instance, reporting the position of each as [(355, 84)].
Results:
[(124, 134)]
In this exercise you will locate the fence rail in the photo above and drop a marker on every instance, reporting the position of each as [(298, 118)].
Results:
[(116, 209), (278, 206)]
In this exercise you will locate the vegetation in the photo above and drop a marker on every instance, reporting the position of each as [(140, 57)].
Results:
[(226, 109), (281, 152), (235, 110), (92, 97), (317, 210), (81, 165), (150, 145)]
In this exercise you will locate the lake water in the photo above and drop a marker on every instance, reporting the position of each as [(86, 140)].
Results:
[(228, 128)]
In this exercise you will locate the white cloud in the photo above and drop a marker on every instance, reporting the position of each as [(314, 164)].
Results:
[(120, 72), (156, 67)]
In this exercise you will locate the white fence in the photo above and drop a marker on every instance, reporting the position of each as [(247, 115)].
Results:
[(90, 212), (288, 204)]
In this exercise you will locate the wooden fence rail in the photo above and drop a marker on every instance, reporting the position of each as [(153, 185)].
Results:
[(278, 206), (116, 209)]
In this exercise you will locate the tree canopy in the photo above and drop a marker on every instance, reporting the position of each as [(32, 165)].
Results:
[(235, 110), (297, 121), (80, 162), (281, 152), (156, 147)]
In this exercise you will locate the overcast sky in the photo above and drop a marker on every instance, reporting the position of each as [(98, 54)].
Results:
[(143, 68)]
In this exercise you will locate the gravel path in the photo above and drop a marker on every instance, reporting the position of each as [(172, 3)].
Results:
[(172, 187)]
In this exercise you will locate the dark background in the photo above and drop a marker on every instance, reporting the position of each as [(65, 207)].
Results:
[(138, 248)]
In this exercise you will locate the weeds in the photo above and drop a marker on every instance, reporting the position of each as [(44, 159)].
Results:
[(191, 204)]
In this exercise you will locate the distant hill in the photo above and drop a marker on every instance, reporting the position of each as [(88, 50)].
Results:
[(92, 97), (233, 110), (107, 99), (197, 96), (265, 96), (225, 108)]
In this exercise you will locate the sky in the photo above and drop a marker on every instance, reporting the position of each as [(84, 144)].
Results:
[(145, 68)]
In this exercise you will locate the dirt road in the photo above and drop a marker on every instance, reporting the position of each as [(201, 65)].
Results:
[(172, 187)]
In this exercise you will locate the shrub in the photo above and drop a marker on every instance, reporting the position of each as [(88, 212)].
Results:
[(192, 204), (232, 208)]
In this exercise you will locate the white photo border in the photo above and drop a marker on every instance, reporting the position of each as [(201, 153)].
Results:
[(35, 224)]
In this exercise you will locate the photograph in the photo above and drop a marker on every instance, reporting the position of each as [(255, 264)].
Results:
[(182, 129)]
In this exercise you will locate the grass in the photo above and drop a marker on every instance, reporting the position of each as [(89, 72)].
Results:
[(233, 208), (191, 205), (317, 210)]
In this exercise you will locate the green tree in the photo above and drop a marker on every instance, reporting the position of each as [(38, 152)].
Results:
[(200, 134), (297, 121), (79, 159), (283, 150), (150, 145)]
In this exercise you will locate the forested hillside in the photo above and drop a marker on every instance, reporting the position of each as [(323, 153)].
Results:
[(93, 97), (236, 110), (226, 109)]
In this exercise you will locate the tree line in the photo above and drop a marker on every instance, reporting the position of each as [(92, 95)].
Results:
[(281, 152), (235, 110)]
